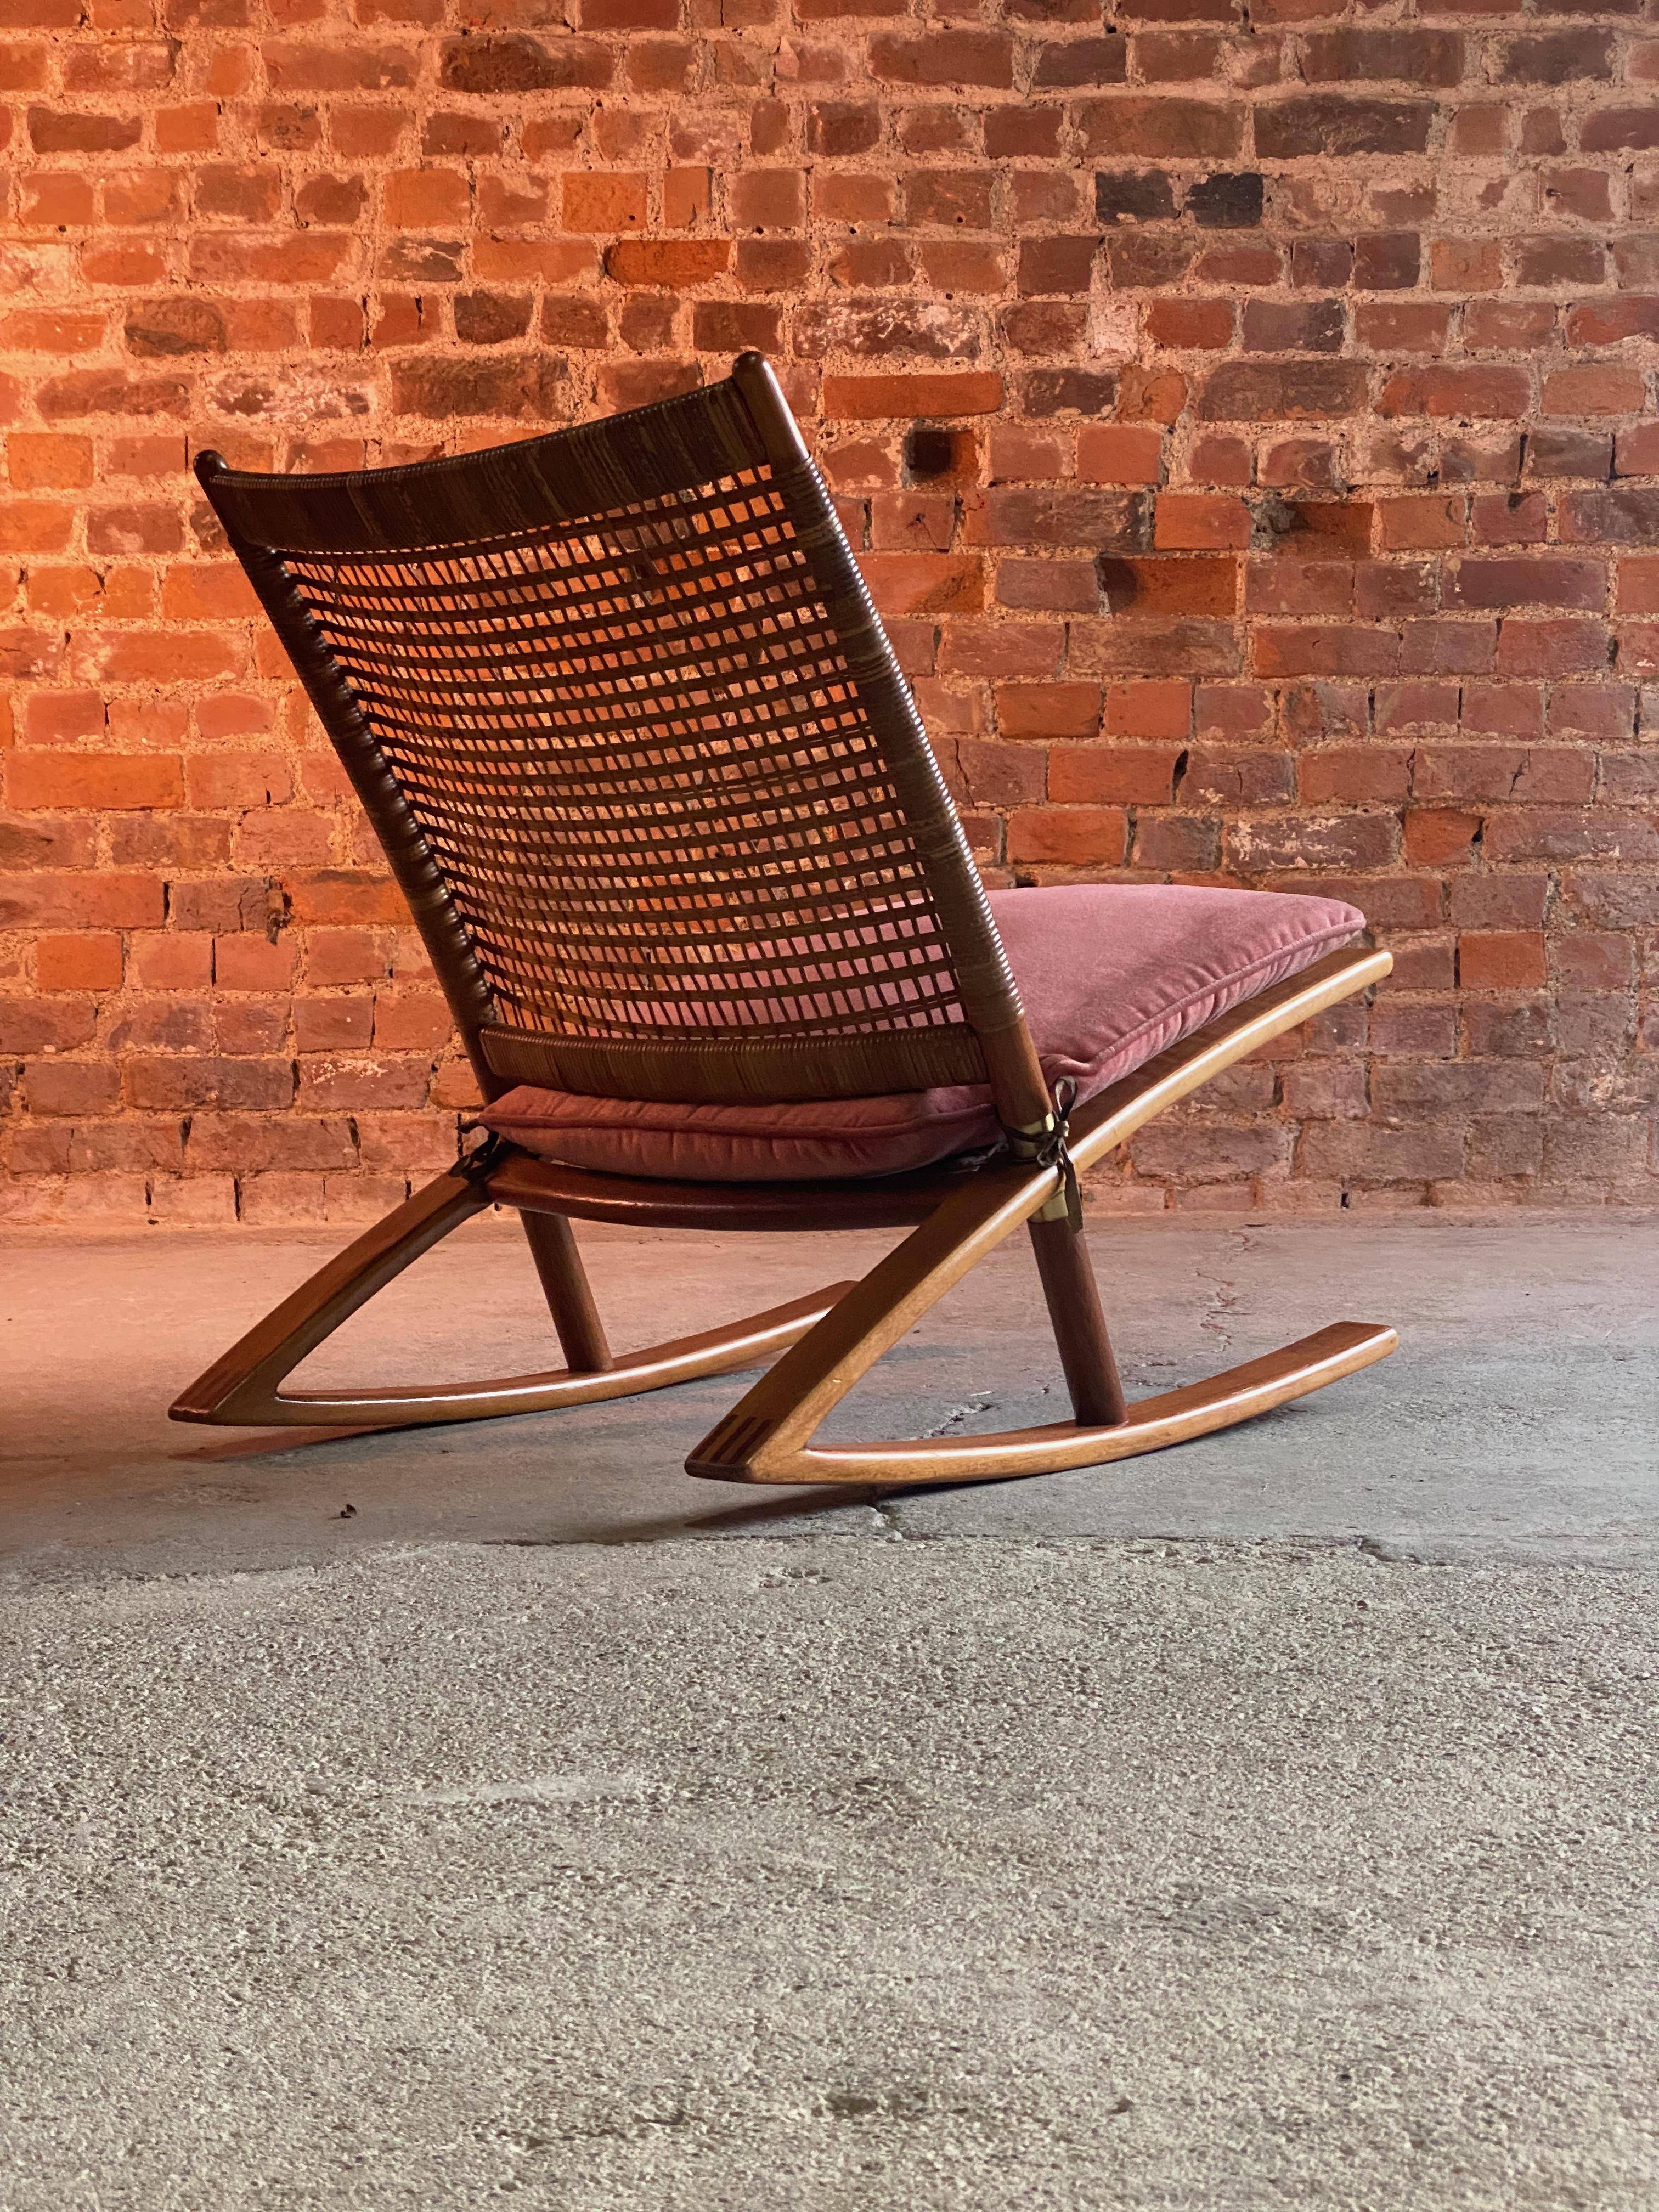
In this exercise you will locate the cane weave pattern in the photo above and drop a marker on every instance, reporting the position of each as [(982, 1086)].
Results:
[(634, 748)]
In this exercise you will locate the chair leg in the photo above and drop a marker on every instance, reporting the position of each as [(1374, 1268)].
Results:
[(1080, 1326), (569, 1295)]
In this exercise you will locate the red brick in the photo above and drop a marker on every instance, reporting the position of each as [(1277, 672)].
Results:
[(1190, 325), (1320, 651), (1353, 776), (98, 781), (1440, 836), (1115, 775), (947, 57), (1501, 960), (1047, 710), (78, 964), (876, 398), (1217, 461), (1196, 129), (1566, 647), (924, 583), (669, 263), (1147, 710), (603, 202), (1206, 585), (1429, 522), (1120, 454), (1494, 393), (1194, 521), (48, 461), (1071, 837)]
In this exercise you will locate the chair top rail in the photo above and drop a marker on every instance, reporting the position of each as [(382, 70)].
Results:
[(505, 492)]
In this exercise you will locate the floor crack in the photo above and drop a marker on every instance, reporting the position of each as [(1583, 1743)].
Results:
[(980, 1401), (1216, 1318)]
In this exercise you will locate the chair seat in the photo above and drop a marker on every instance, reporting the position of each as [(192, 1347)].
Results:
[(1110, 974)]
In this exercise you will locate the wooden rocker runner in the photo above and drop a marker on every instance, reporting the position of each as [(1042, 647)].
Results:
[(644, 766)]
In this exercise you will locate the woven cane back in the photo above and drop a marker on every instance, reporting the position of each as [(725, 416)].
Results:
[(622, 715)]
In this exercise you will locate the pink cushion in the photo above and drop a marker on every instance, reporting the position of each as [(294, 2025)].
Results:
[(1110, 974)]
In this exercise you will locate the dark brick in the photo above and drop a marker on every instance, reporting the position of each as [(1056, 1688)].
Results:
[(1046, 392), (472, 137), (1145, 261), (1062, 515), (1057, 264), (491, 317), (1549, 263), (1625, 514), (1620, 130), (1133, 196), (575, 318), (1230, 200), (520, 387), (1045, 325), (1562, 451), (53, 132), (1542, 581), (930, 455)]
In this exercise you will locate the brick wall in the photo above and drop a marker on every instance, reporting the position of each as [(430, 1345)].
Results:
[(1249, 425)]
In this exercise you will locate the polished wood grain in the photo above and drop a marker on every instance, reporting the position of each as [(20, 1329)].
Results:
[(569, 1297), (1072, 1298), (1238, 1393)]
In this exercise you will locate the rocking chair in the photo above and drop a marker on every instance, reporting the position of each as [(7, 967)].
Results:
[(644, 766)]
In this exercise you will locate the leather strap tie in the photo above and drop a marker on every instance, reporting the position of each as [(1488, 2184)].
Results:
[(1044, 1144), (479, 1164)]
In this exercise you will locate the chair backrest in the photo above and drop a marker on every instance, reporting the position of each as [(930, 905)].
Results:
[(629, 728)]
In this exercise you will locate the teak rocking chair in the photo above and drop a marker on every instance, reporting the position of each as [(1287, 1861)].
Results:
[(645, 768)]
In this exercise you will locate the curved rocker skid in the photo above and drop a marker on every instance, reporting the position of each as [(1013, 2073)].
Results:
[(243, 1390), (767, 1437), (1238, 1393)]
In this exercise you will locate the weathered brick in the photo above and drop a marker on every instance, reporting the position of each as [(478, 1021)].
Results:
[(1204, 129), (1287, 391), (1406, 56), (1332, 125), (509, 63)]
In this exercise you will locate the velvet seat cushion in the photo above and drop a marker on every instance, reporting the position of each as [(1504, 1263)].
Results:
[(1110, 974)]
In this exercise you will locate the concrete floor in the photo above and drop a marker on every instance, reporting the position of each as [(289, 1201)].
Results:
[(1269, 1822)]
